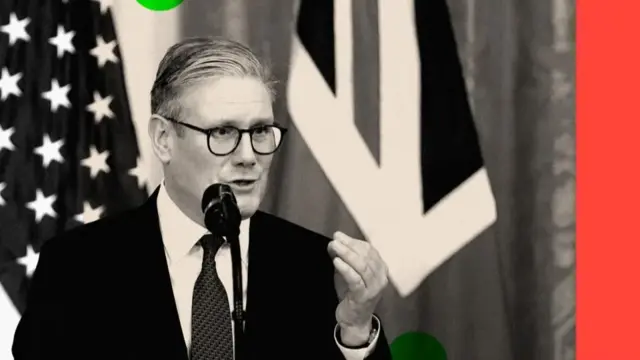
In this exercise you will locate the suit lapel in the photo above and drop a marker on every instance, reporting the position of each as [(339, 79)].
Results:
[(156, 306)]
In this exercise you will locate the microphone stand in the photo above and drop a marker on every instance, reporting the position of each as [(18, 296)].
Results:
[(238, 310), (222, 217)]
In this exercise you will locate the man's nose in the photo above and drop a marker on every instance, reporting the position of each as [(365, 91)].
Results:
[(244, 153)]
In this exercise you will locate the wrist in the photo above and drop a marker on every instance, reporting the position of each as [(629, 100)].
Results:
[(355, 335)]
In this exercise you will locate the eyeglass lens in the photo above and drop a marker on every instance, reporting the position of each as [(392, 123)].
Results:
[(265, 139)]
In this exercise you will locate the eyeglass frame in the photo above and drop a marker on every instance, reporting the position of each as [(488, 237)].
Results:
[(240, 131)]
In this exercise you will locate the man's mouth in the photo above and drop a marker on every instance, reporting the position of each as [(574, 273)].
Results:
[(242, 184)]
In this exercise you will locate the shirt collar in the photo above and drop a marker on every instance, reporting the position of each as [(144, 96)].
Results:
[(180, 234)]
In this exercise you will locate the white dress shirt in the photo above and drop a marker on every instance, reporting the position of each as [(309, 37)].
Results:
[(180, 235)]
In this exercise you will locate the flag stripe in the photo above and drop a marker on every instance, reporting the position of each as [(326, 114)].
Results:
[(316, 33), (400, 104), (366, 73), (450, 147)]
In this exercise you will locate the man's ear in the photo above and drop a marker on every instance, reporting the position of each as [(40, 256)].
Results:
[(160, 134)]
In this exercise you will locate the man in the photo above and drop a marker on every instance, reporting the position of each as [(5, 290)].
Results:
[(153, 284)]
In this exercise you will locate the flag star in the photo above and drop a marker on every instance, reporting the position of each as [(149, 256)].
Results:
[(140, 173), (50, 151), (30, 260), (96, 162), (16, 29), (89, 213), (104, 51), (3, 185), (104, 5), (100, 107), (62, 41), (58, 95), (9, 84), (5, 138), (42, 205)]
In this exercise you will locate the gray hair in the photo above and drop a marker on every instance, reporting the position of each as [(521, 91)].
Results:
[(198, 58)]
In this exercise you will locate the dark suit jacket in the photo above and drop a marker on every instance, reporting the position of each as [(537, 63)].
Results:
[(103, 291)]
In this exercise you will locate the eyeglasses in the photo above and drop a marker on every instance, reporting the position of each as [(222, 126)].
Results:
[(223, 140)]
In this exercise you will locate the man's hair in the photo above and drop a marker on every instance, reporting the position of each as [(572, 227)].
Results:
[(199, 58)]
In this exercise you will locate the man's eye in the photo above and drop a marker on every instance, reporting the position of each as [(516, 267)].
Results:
[(260, 130), (222, 132)]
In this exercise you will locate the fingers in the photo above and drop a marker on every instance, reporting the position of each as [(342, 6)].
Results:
[(362, 258), (353, 258), (351, 277), (365, 248)]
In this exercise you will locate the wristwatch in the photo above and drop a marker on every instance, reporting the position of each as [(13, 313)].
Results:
[(375, 328)]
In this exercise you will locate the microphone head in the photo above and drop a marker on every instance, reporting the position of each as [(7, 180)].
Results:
[(214, 193), (220, 208)]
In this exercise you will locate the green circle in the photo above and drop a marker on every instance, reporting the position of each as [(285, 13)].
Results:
[(160, 5), (417, 346)]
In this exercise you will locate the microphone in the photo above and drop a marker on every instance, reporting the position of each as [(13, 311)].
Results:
[(222, 218), (220, 208)]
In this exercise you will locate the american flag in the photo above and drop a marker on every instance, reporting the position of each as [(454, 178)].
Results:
[(68, 147)]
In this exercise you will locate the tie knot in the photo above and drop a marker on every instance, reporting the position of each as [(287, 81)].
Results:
[(211, 243)]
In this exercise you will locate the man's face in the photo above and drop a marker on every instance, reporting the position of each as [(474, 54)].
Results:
[(223, 101)]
